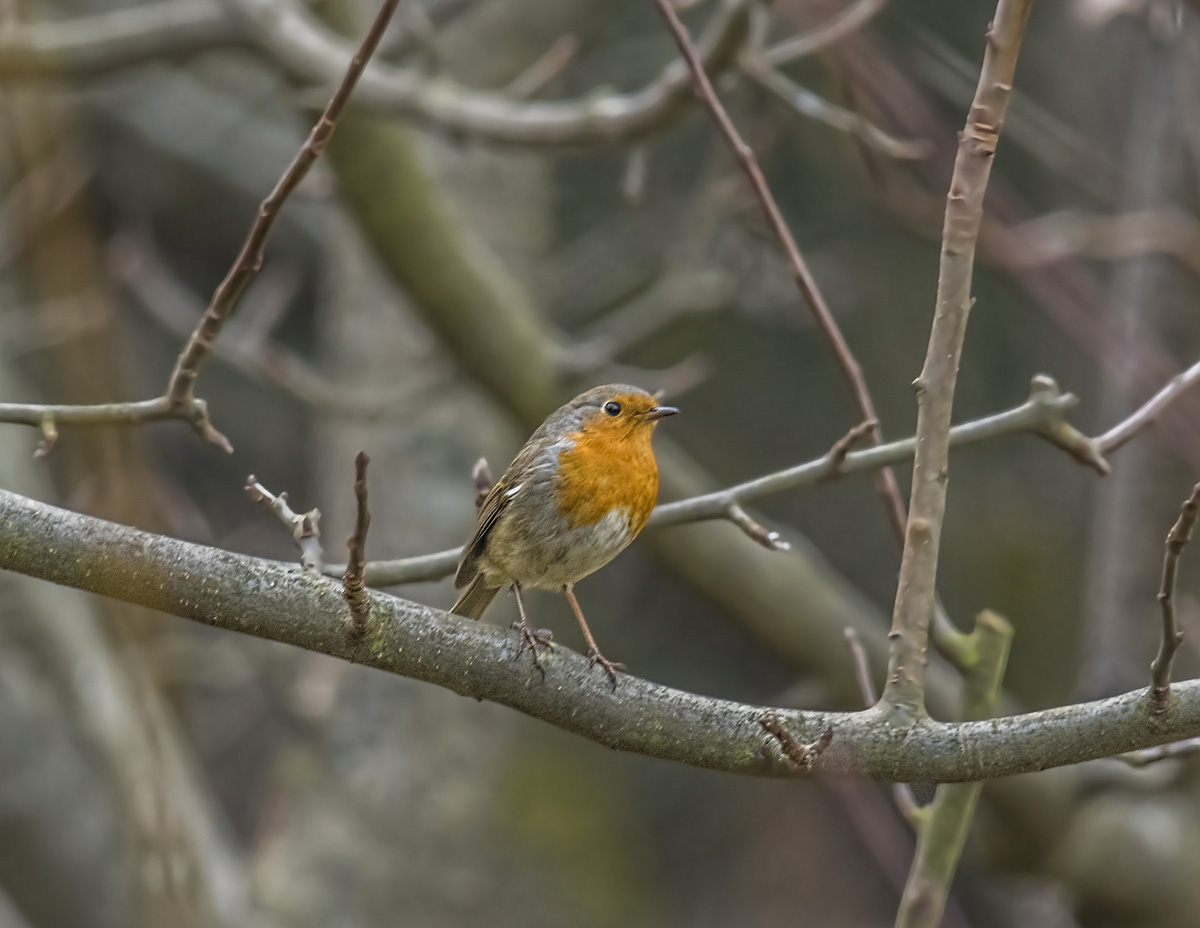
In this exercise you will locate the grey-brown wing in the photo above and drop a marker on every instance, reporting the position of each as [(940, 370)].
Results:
[(489, 512)]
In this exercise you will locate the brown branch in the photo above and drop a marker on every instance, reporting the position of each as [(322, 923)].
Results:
[(352, 581), (1148, 413), (904, 693), (755, 530), (249, 260), (800, 270), (179, 400), (305, 526), (846, 23), (1172, 637)]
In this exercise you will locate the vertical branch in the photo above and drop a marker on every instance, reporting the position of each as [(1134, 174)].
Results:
[(1177, 539), (904, 692), (943, 825), (886, 479), (352, 581)]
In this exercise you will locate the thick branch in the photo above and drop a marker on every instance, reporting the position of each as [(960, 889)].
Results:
[(92, 45), (916, 592), (283, 603)]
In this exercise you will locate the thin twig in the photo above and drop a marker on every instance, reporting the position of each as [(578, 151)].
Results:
[(304, 526), (225, 299), (846, 23), (886, 479), (904, 693), (547, 67), (179, 400), (1172, 637), (1149, 412), (352, 581), (771, 540), (1148, 756)]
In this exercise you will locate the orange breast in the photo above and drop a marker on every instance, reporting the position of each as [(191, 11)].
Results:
[(608, 469)]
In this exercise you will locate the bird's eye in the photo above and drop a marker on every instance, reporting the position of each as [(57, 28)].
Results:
[(612, 408)]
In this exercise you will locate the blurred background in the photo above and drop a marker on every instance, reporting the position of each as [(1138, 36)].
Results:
[(467, 257)]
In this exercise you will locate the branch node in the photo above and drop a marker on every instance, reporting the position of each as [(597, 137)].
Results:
[(802, 757), (352, 582), (770, 540), (305, 526)]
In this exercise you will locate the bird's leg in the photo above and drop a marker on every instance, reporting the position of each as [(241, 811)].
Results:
[(532, 638), (594, 656)]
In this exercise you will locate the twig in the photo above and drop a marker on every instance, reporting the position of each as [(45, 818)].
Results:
[(862, 667), (312, 53), (1043, 414), (225, 299), (475, 659), (1042, 407), (813, 106), (844, 445), (764, 536), (179, 400), (547, 67), (800, 271), (305, 526), (802, 756), (1177, 539), (943, 825), (88, 46), (1145, 416), (1148, 756), (904, 693), (846, 23), (352, 581)]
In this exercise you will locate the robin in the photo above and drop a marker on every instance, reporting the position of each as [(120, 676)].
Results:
[(572, 499)]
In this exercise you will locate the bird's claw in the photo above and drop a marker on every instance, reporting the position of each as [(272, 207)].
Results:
[(612, 668), (533, 638)]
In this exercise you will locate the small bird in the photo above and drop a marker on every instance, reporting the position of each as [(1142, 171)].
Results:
[(572, 499)]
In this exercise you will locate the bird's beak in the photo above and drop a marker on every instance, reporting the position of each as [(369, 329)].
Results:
[(661, 412)]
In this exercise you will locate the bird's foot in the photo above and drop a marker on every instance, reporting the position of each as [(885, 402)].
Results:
[(533, 638), (612, 668)]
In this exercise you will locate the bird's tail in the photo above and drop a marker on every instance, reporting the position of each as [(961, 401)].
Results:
[(475, 598)]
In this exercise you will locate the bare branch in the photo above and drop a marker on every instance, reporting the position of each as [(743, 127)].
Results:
[(848, 21), (249, 260), (352, 581), (291, 36), (1148, 756), (904, 693), (547, 67), (1042, 408), (92, 45), (305, 526), (278, 602), (1172, 637), (755, 530), (1149, 412), (179, 400), (885, 480), (813, 106)]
